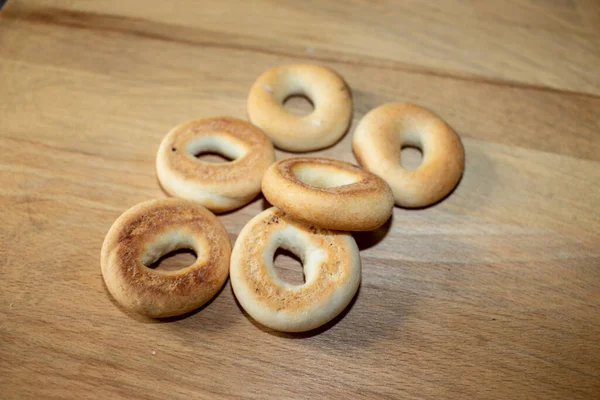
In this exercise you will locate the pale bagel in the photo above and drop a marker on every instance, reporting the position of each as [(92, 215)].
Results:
[(218, 187), (331, 265), (146, 232), (380, 136), (321, 128), (328, 193)]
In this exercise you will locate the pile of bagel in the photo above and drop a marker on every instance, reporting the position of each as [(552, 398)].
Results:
[(316, 202)]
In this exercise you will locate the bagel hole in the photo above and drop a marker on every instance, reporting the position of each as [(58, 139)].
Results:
[(288, 267), (411, 157), (214, 149), (324, 176), (175, 260), (298, 104), (212, 157)]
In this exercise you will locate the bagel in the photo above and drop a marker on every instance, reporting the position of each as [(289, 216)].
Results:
[(321, 128), (146, 232), (328, 193), (219, 187), (331, 265), (380, 136)]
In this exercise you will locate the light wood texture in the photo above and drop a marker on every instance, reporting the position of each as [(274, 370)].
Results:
[(493, 293)]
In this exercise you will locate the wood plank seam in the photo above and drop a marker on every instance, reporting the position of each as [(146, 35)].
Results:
[(100, 22)]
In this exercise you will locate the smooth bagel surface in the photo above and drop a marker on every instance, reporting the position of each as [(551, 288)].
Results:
[(319, 129), (378, 141)]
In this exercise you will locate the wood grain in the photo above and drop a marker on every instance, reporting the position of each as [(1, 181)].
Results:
[(492, 293)]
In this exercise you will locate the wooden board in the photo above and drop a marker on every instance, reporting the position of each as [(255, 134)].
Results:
[(493, 293)]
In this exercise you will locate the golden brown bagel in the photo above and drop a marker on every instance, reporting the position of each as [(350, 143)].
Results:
[(380, 136), (331, 267), (218, 187), (321, 128), (146, 232), (328, 193)]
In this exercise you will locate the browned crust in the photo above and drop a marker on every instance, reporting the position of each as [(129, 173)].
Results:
[(368, 183), (333, 271), (363, 205), (157, 293), (244, 133)]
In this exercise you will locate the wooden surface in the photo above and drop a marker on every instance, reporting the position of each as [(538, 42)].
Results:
[(493, 293)]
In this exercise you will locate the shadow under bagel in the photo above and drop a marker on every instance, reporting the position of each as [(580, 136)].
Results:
[(305, 334), (265, 203), (149, 320), (367, 239)]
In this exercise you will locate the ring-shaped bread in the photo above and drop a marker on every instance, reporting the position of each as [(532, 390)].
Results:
[(378, 141), (331, 265), (146, 232), (324, 126), (328, 193), (219, 187)]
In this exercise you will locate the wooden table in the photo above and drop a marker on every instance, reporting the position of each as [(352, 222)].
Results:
[(493, 293)]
